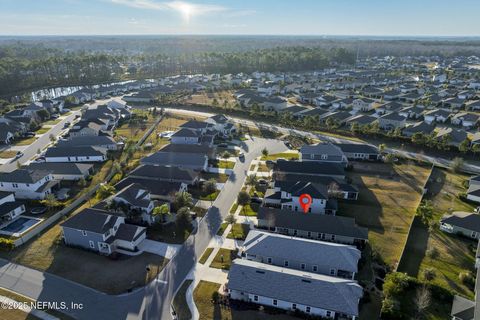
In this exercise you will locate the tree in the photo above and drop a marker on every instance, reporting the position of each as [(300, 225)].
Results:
[(105, 191), (457, 164), (475, 148), (243, 199), (389, 158), (265, 152), (464, 146), (429, 274), (419, 138), (182, 199), (183, 218), (422, 301), (161, 211), (382, 147), (251, 180), (210, 187), (425, 211), (50, 201), (82, 182), (355, 128), (43, 114), (231, 220), (52, 138)]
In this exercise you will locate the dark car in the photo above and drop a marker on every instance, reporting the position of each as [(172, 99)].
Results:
[(256, 200), (38, 210), (29, 134)]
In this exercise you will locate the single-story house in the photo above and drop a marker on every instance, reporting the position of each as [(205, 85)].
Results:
[(464, 223), (323, 152), (192, 161), (359, 151), (76, 154)]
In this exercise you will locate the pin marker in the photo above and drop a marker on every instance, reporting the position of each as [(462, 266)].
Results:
[(305, 202)]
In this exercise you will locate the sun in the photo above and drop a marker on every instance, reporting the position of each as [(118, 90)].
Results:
[(187, 10)]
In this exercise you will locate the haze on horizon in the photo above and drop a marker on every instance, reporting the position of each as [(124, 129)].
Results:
[(248, 17)]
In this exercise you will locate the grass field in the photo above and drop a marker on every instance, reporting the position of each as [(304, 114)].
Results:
[(25, 142), (180, 302), (205, 255), (223, 164), (223, 226), (223, 259), (250, 210), (388, 198), (170, 233), (219, 177), (202, 296), (52, 122), (207, 98), (283, 155), (455, 254), (42, 130), (7, 154), (239, 231)]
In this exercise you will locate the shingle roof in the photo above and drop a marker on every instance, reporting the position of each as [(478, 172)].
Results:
[(166, 173), (23, 176), (61, 167), (313, 222), (467, 220), (72, 152), (176, 159), (331, 255), (322, 148), (357, 148), (309, 167), (309, 289), (7, 207), (92, 220)]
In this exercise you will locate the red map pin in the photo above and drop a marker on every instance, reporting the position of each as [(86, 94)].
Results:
[(305, 202)]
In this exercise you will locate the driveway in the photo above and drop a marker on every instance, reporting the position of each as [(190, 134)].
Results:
[(160, 248)]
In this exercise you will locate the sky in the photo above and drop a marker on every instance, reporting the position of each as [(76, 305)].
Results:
[(245, 17)]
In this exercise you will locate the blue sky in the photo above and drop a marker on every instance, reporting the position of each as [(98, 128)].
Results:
[(292, 17)]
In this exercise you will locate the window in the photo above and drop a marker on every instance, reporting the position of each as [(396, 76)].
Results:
[(84, 233), (28, 185), (332, 272), (92, 245), (312, 156), (285, 263), (324, 157), (315, 268), (329, 314), (295, 232), (294, 306), (274, 302), (333, 237), (255, 298), (269, 260), (323, 236), (302, 266), (307, 309), (309, 234)]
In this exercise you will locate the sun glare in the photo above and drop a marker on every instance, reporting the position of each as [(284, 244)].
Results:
[(186, 10)]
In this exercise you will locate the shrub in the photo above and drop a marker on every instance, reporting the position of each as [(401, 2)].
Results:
[(429, 274), (433, 253), (6, 244), (467, 278)]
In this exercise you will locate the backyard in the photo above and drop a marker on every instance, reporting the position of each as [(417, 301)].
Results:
[(453, 254)]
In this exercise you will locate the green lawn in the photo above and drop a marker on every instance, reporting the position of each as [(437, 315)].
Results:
[(222, 164), (283, 155), (250, 210), (170, 233), (219, 177), (262, 167), (234, 207), (25, 142), (199, 211), (455, 254), (207, 310), (205, 255), (223, 259), (52, 122), (180, 302), (7, 154), (42, 130), (239, 231), (223, 226)]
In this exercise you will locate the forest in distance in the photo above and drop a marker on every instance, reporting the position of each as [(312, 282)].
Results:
[(29, 63)]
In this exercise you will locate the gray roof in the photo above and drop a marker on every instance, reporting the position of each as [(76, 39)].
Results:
[(155, 187), (7, 207), (23, 176), (294, 286), (322, 148), (176, 159), (309, 167), (321, 223), (129, 232), (97, 221), (187, 148), (332, 255), (466, 220), (357, 148), (82, 141), (165, 173), (184, 132), (462, 308), (135, 195), (73, 152), (68, 168)]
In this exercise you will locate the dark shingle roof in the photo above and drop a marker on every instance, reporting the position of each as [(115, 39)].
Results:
[(309, 167), (467, 220), (92, 220)]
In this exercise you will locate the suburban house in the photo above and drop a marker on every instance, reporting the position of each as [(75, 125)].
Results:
[(77, 154), (358, 151), (159, 190), (9, 208), (288, 197), (332, 259), (137, 200), (63, 170), (312, 226), (186, 136), (7, 133), (465, 119), (104, 142), (99, 231), (418, 127), (330, 169), (192, 161), (436, 115), (294, 290), (391, 121), (190, 148), (464, 223), (221, 124), (166, 173), (28, 184), (87, 128), (323, 152), (363, 104), (453, 137)]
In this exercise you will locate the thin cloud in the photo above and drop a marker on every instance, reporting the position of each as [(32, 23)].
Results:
[(179, 6)]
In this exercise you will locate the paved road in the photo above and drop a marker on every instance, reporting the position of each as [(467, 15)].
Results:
[(442, 162), (154, 300)]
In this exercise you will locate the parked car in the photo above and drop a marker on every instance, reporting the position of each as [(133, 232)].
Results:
[(38, 210), (19, 154), (54, 116), (256, 200), (262, 183), (77, 116), (223, 145), (67, 124), (29, 134), (241, 155)]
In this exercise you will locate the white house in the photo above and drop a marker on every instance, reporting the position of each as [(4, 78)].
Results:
[(77, 154), (27, 184)]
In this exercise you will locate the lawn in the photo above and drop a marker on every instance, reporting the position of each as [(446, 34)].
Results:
[(262, 167), (455, 254), (233, 152), (223, 259), (198, 193), (205, 255), (52, 122), (7, 154), (180, 302), (169, 233), (239, 231), (282, 155), (25, 142), (250, 210), (16, 314), (170, 123), (219, 177), (42, 130), (207, 310), (48, 253), (223, 226), (234, 207), (200, 212), (388, 198), (222, 164)]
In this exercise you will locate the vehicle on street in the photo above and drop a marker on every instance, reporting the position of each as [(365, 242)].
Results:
[(38, 210)]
